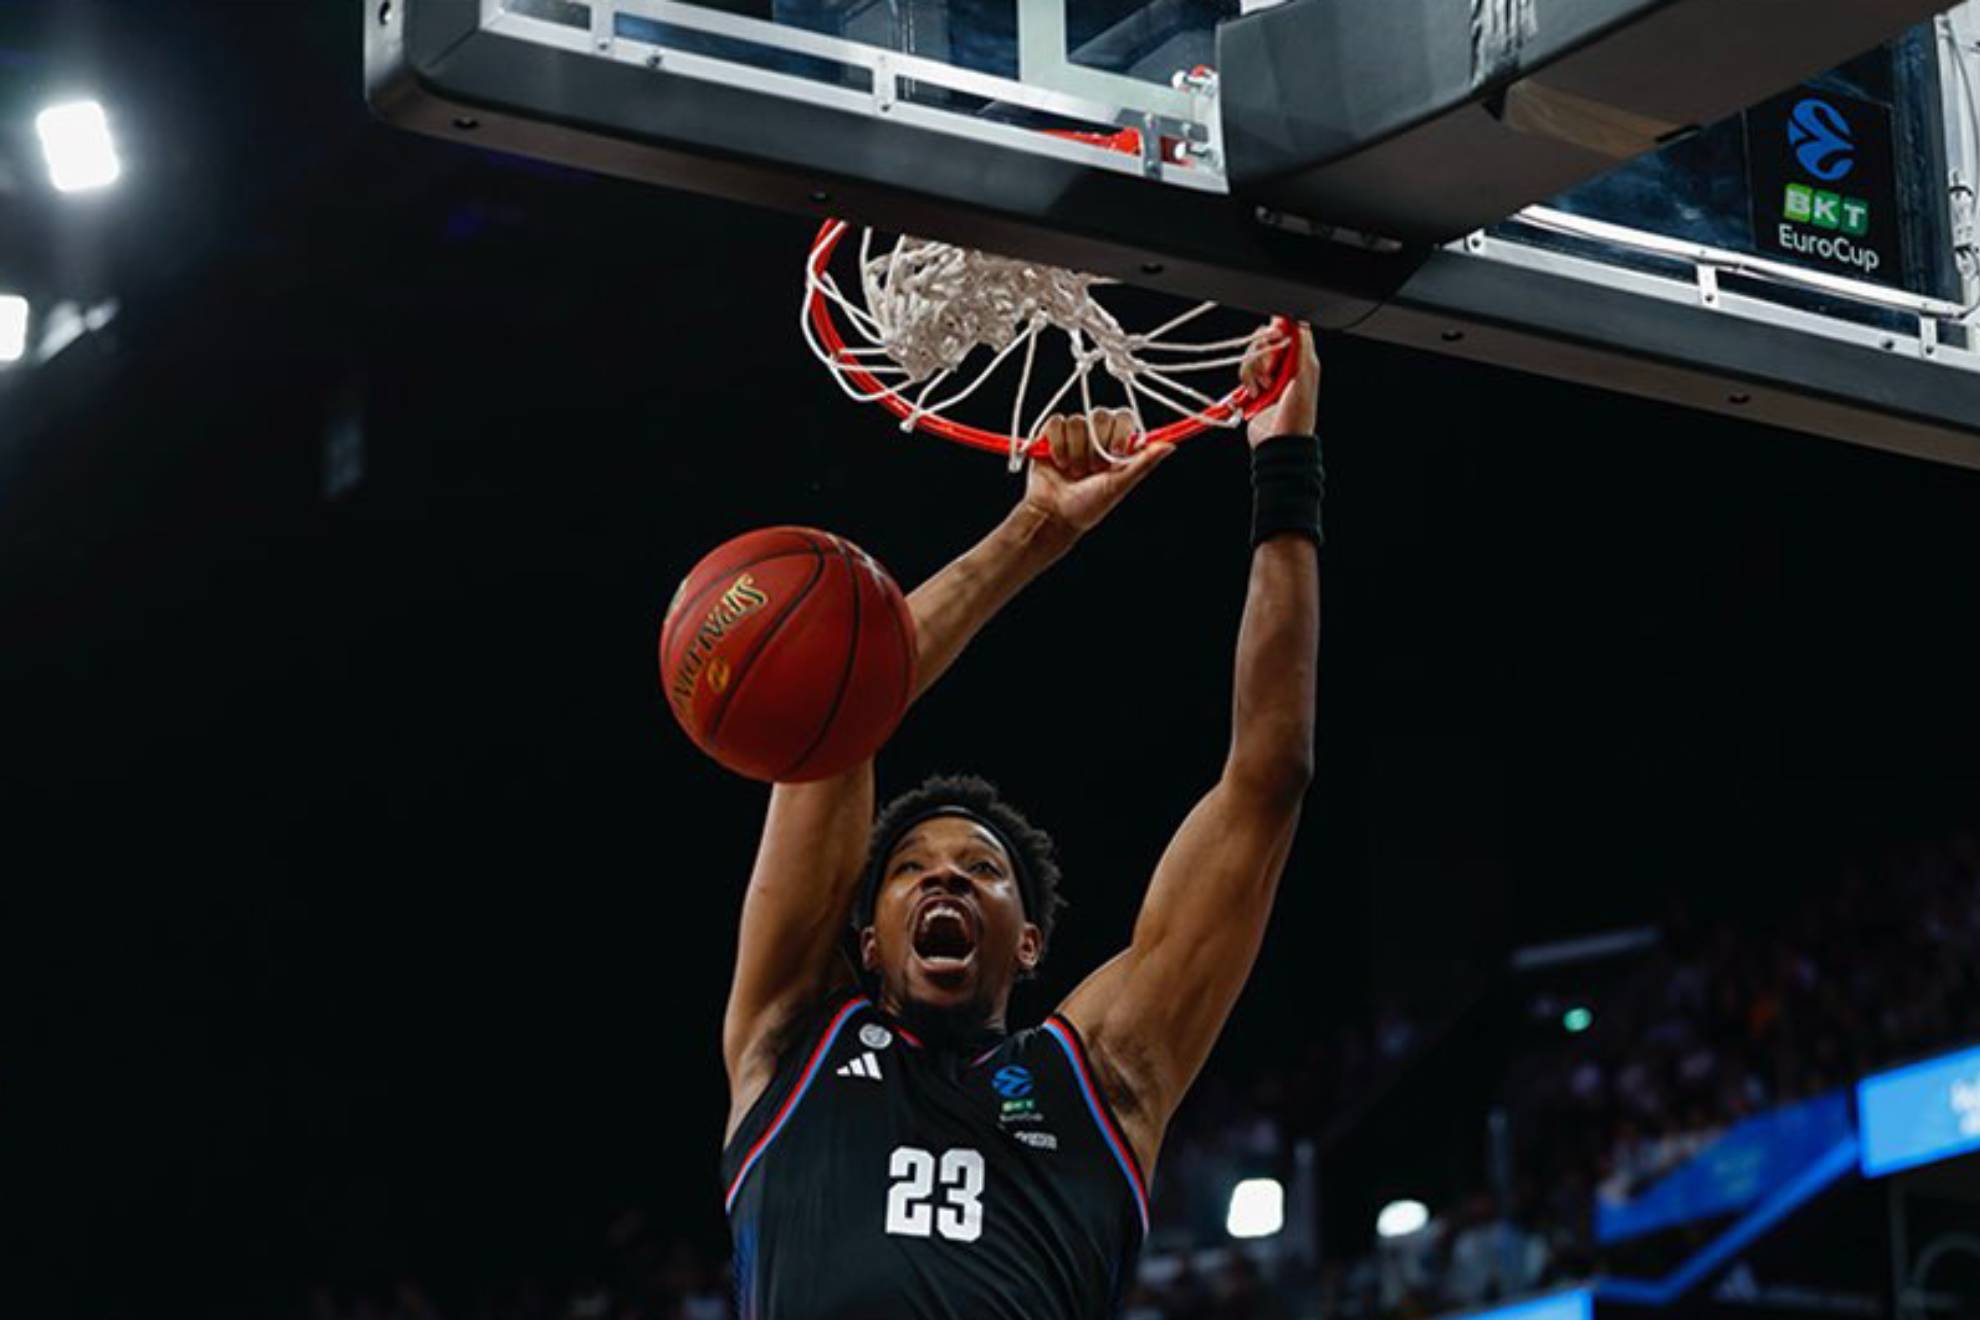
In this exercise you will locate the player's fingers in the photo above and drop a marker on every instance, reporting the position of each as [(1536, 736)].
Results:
[(1116, 431), (1079, 446), (1101, 420), (1252, 374), (1134, 436), (1261, 358), (1309, 356), (1055, 440), (1098, 433)]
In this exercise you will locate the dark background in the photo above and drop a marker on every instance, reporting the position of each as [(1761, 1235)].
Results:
[(365, 910)]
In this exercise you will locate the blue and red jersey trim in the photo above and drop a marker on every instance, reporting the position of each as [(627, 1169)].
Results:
[(1063, 1032), (784, 1112)]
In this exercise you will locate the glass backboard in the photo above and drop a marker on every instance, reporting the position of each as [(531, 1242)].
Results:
[(1764, 209), (1123, 85)]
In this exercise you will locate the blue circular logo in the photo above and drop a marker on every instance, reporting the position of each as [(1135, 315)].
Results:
[(1822, 139), (1012, 1082)]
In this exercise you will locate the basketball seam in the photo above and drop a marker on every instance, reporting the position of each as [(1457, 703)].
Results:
[(681, 609), (845, 674), (762, 640)]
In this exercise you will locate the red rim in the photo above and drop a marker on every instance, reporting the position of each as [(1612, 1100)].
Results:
[(1238, 402)]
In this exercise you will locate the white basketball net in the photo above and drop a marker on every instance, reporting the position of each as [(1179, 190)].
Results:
[(928, 307)]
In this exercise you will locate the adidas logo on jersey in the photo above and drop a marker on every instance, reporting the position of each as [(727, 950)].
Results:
[(864, 1066)]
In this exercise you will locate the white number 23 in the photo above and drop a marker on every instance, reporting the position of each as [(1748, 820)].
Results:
[(911, 1211)]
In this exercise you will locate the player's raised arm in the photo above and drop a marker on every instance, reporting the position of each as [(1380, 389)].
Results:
[(814, 841), (1151, 1014)]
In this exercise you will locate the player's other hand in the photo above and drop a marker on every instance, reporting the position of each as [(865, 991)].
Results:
[(1298, 409), (1096, 459)]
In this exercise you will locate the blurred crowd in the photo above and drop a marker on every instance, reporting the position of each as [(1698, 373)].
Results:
[(1719, 1022), (1723, 1023)]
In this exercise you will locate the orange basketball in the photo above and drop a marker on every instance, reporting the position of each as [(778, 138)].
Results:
[(787, 655)]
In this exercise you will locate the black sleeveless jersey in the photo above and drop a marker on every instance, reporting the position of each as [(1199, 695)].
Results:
[(878, 1177)]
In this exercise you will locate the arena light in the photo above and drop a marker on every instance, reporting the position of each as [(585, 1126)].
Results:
[(1577, 1020), (75, 139), (1401, 1218), (13, 327), (1258, 1208)]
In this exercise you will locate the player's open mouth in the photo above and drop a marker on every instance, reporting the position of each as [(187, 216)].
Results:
[(944, 934)]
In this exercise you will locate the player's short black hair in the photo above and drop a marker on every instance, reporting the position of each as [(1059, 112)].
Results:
[(1031, 848)]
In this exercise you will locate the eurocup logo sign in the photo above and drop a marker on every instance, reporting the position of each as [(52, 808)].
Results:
[(1822, 140), (1828, 164)]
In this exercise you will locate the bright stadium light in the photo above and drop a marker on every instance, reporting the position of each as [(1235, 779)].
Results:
[(1258, 1208), (75, 138), (1401, 1218), (13, 327)]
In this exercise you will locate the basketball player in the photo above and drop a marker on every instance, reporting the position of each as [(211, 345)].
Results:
[(893, 1148)]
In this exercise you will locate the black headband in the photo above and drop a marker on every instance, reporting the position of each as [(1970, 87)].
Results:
[(883, 848)]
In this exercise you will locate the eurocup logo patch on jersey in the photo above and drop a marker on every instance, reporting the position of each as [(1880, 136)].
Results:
[(1012, 1082), (1018, 1106), (875, 1037)]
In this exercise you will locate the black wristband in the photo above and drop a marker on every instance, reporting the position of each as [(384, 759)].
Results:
[(1287, 483)]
